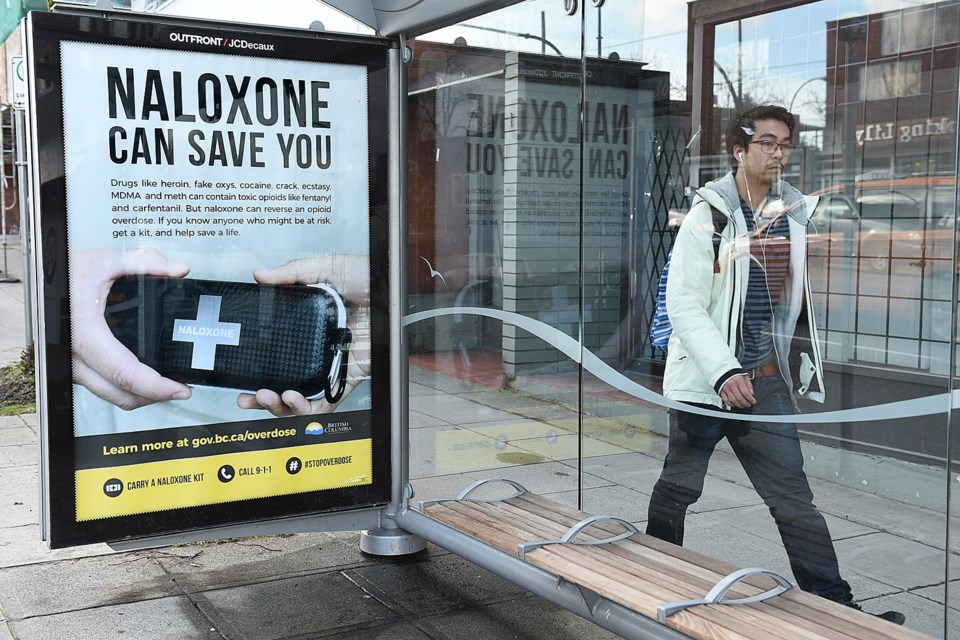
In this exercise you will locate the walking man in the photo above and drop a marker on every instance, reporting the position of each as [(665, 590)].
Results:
[(736, 288)]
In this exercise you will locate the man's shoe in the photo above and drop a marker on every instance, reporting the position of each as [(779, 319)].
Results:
[(890, 616)]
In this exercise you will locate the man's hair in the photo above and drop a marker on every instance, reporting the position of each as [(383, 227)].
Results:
[(741, 128)]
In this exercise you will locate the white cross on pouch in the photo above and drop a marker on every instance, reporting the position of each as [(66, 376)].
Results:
[(206, 332)]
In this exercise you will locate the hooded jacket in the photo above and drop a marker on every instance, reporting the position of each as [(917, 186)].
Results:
[(705, 299)]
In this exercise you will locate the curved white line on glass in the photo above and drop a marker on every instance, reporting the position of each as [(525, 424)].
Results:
[(929, 405)]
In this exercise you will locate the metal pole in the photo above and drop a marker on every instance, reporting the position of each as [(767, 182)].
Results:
[(389, 539), (26, 226), (3, 193), (543, 33)]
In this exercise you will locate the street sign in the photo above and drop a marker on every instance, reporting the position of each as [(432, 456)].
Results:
[(18, 83)]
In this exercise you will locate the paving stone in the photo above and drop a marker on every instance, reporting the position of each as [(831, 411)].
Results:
[(401, 631), (14, 435), (299, 607), (935, 594), (547, 412), (446, 406), (174, 618), (721, 495), (442, 383), (530, 617), (715, 539), (205, 566), (612, 500), (895, 561), (637, 471), (567, 447), (417, 420), (85, 583), (11, 422), (18, 496), (416, 389), (446, 450), (18, 455), (443, 584), (756, 520), (505, 400), (22, 546), (898, 518), (544, 478), (923, 615)]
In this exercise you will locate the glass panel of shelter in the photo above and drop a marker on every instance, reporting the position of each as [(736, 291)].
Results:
[(494, 252), (538, 233)]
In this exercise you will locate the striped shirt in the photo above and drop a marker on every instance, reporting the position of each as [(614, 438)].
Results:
[(769, 265)]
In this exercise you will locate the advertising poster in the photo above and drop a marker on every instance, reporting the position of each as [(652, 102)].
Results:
[(217, 196)]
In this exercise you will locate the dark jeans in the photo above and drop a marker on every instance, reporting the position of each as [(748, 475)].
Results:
[(770, 454)]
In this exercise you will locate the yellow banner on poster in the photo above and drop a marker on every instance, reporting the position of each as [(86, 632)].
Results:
[(194, 482)]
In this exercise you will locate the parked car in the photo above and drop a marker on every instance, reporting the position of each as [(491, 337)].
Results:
[(911, 219)]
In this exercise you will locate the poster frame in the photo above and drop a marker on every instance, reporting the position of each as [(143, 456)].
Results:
[(59, 525)]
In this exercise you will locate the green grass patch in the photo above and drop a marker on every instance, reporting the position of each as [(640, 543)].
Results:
[(17, 386)]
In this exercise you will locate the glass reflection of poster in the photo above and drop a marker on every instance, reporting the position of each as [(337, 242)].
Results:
[(215, 194)]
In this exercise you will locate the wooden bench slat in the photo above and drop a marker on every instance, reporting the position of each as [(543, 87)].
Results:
[(719, 567), (634, 551), (641, 572), (835, 616), (600, 572), (612, 584), (622, 569), (734, 619), (678, 589)]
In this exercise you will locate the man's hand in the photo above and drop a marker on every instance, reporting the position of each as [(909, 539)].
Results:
[(737, 392), (349, 275), (100, 362)]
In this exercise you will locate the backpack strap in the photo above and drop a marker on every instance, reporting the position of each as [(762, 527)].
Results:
[(719, 224), (660, 327)]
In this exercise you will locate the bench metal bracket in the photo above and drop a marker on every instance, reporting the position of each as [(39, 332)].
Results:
[(465, 494), (720, 589), (569, 537), (591, 598)]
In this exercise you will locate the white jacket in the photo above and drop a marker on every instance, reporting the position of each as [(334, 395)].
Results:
[(706, 307)]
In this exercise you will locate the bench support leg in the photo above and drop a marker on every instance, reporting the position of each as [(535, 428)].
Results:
[(386, 541), (389, 539)]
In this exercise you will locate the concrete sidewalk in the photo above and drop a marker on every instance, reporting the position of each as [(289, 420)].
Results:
[(294, 587), (13, 339), (264, 588)]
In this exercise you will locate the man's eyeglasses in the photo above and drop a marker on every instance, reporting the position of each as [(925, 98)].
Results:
[(769, 146)]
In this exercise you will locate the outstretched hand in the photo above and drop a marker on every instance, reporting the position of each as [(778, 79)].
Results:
[(100, 362), (350, 276)]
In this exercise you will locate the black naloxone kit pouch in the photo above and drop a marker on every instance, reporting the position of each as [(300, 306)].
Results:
[(234, 335)]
